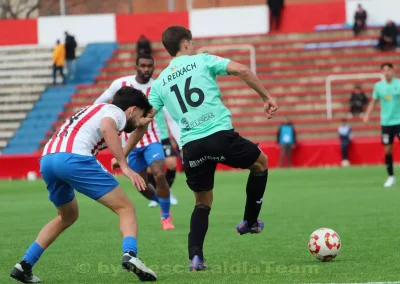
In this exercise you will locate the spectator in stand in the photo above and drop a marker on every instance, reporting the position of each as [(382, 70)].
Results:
[(275, 7), (143, 46), (58, 61), (388, 39), (345, 136), (360, 20), (70, 56), (286, 138), (358, 102)]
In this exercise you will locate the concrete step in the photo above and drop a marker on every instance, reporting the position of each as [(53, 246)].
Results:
[(258, 116), (258, 138), (163, 58), (123, 67), (238, 87), (9, 125), (294, 78), (271, 40)]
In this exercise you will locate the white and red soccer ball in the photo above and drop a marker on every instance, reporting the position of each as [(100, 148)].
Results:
[(324, 244)]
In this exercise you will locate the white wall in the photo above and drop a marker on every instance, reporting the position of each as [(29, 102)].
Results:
[(85, 28), (229, 21), (379, 11)]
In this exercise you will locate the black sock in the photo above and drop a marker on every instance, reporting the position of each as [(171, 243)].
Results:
[(389, 163), (26, 266), (198, 230), (255, 191), (170, 176), (151, 180)]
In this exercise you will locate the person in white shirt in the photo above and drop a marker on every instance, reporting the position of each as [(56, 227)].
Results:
[(149, 151), (69, 162)]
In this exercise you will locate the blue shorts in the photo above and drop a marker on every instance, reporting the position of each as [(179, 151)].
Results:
[(141, 158), (64, 172)]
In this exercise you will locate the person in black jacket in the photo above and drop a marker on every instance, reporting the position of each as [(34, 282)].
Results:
[(388, 39), (358, 102), (275, 7), (70, 54), (360, 19)]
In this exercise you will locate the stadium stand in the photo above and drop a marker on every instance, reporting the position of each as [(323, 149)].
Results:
[(26, 75), (25, 71), (293, 72)]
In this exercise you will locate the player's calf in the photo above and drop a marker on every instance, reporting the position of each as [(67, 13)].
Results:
[(162, 188), (256, 184)]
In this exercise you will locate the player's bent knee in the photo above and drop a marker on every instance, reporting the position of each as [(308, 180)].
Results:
[(69, 218), (261, 165), (170, 162)]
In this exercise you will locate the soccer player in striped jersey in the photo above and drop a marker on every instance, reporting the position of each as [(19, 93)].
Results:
[(169, 152), (69, 163), (149, 151)]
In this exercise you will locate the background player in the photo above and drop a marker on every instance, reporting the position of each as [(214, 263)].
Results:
[(69, 162), (387, 92), (189, 91), (170, 155), (149, 151)]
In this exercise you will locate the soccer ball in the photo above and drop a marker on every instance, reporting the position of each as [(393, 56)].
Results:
[(324, 244)]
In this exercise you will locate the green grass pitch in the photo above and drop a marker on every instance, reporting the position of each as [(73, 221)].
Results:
[(351, 201)]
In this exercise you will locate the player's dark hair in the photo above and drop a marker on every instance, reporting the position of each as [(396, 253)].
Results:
[(143, 56), (172, 38), (127, 97), (387, 64)]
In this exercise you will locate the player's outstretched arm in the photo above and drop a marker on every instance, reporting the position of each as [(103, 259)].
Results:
[(237, 69), (134, 138), (108, 129), (370, 108)]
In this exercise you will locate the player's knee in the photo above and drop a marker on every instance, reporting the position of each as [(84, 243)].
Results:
[(261, 164), (171, 163), (126, 209), (70, 218), (159, 175)]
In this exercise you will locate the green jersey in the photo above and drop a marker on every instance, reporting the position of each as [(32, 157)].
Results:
[(189, 91), (389, 96), (162, 125)]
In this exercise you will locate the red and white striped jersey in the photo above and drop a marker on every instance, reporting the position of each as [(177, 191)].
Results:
[(152, 134), (80, 134)]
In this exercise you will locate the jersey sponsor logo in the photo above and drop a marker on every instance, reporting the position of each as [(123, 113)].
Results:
[(199, 162), (199, 121), (388, 97)]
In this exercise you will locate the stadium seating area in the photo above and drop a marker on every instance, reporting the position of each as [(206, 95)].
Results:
[(25, 71), (293, 67), (28, 105)]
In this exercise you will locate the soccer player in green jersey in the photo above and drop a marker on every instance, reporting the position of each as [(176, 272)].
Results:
[(187, 88), (387, 92)]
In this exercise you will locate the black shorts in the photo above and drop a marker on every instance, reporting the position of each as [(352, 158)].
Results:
[(200, 157), (169, 151), (388, 134)]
